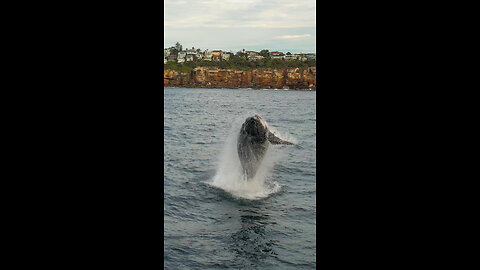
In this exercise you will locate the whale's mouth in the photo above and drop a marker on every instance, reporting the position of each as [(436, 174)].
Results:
[(255, 125), (260, 119)]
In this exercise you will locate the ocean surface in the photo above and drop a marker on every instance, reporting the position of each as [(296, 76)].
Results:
[(213, 218)]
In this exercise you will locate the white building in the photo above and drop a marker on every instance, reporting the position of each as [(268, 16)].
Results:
[(225, 56), (181, 56), (166, 52), (207, 55)]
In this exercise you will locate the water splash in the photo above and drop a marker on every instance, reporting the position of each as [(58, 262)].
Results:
[(230, 177)]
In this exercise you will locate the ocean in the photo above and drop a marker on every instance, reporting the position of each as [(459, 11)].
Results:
[(213, 218)]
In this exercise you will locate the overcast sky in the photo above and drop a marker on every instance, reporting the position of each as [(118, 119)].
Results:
[(233, 25)]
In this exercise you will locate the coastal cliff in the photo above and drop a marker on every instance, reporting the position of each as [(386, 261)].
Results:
[(261, 78)]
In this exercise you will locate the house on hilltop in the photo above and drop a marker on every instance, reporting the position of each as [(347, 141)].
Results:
[(226, 56), (207, 55), (252, 56), (166, 52), (300, 56), (190, 55), (181, 56), (311, 56), (217, 55), (290, 57), (276, 55)]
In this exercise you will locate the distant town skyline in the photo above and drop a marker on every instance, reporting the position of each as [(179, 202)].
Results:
[(234, 25)]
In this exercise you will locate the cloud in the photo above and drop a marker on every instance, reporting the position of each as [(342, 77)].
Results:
[(241, 24), (239, 13), (293, 36)]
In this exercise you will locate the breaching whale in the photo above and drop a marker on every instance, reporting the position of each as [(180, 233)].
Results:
[(253, 142)]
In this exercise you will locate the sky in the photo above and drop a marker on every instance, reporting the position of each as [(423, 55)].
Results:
[(233, 25)]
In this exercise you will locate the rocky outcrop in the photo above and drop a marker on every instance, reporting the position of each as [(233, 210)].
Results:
[(264, 78)]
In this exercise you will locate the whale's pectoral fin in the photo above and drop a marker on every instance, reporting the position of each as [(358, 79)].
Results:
[(275, 140)]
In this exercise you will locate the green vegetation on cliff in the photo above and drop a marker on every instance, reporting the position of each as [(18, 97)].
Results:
[(186, 67), (240, 63)]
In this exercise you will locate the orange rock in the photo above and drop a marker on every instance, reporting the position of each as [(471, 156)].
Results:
[(293, 78)]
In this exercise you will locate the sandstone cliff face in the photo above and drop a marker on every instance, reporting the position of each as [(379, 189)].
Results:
[(212, 77)]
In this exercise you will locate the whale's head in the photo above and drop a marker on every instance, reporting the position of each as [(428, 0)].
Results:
[(255, 126)]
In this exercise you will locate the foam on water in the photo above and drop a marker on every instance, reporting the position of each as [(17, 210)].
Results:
[(230, 177)]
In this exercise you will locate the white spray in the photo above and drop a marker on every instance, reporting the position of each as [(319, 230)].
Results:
[(230, 177)]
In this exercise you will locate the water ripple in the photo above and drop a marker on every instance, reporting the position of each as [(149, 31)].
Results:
[(209, 228)]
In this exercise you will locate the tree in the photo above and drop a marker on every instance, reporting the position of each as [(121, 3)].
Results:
[(240, 54), (178, 46), (265, 53)]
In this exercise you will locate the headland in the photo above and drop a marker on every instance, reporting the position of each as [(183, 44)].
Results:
[(244, 69)]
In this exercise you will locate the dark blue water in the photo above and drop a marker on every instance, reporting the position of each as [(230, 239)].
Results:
[(212, 218)]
